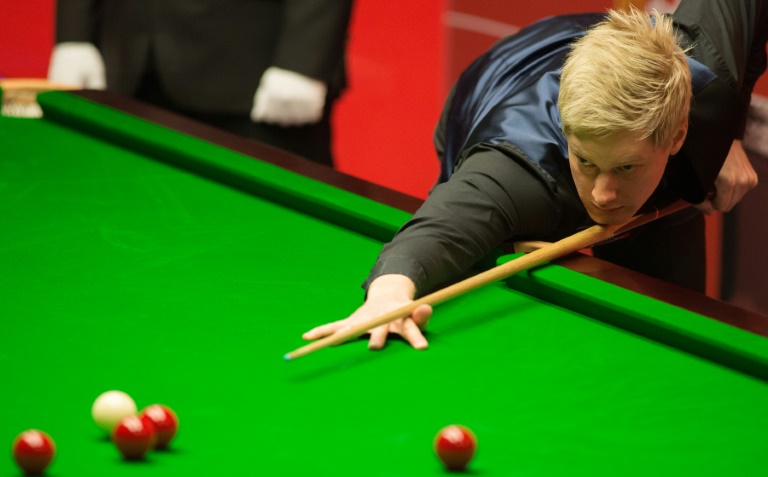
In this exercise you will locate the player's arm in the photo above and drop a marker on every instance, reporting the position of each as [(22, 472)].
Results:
[(757, 56), (489, 200), (736, 178), (737, 38), (732, 43)]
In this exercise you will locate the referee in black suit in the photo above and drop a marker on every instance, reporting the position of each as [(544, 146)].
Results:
[(265, 69)]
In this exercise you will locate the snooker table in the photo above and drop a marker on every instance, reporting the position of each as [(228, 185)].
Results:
[(145, 252)]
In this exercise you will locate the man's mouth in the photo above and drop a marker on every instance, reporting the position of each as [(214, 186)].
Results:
[(607, 209)]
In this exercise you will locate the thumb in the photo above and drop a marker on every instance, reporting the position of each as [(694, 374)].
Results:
[(421, 315), (706, 207)]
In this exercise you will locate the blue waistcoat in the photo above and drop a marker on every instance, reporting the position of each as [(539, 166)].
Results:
[(508, 96)]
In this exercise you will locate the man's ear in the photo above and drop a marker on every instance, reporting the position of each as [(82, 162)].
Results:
[(679, 139)]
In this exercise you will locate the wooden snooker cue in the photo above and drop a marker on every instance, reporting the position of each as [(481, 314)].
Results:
[(526, 246), (585, 238)]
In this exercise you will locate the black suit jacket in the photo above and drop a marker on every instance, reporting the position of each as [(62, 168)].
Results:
[(210, 54)]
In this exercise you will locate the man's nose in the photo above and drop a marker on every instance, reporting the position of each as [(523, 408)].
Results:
[(605, 190)]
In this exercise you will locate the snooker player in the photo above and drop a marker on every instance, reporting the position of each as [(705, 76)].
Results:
[(578, 120)]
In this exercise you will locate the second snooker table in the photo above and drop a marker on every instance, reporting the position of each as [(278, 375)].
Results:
[(143, 252)]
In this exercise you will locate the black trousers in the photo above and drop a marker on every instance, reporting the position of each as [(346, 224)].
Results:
[(671, 248)]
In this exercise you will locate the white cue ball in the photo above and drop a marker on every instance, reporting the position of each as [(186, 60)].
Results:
[(110, 407)]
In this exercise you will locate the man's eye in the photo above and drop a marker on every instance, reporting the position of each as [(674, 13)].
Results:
[(583, 162), (627, 168)]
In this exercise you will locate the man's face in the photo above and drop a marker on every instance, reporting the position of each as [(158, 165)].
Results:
[(615, 175)]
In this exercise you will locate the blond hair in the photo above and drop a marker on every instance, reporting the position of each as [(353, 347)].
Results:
[(626, 74)]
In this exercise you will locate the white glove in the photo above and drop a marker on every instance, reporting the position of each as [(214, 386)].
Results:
[(288, 99), (78, 64)]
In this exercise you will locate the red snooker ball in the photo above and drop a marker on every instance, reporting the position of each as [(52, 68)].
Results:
[(165, 421), (134, 436), (33, 451), (455, 445)]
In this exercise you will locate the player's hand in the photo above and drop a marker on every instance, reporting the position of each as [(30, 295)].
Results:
[(386, 293), (77, 64), (736, 178), (287, 98)]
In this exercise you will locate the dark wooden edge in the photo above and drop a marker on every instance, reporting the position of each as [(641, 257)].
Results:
[(667, 292), (605, 271), (255, 149)]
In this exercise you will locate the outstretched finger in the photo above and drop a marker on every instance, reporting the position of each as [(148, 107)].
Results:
[(706, 207), (411, 332), (378, 337), (323, 330)]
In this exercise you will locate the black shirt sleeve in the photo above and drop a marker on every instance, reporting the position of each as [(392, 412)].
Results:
[(729, 36), (490, 199)]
